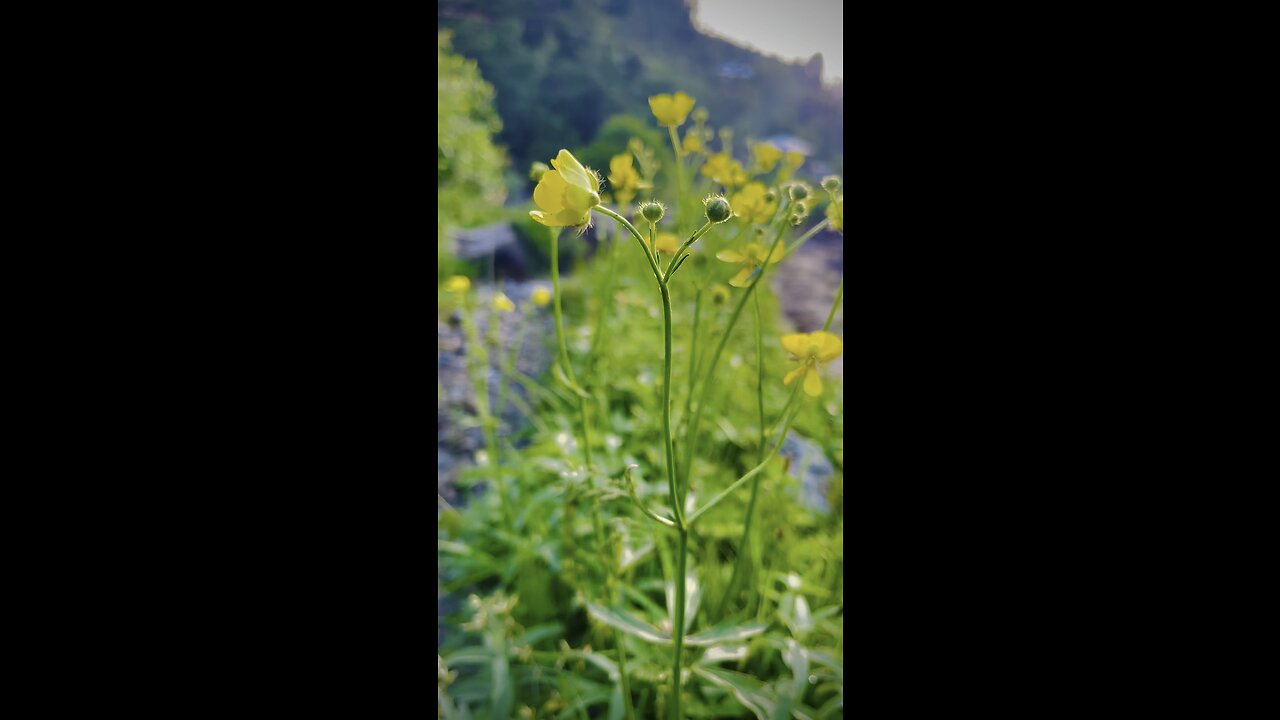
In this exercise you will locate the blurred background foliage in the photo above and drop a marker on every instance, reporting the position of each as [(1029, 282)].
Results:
[(567, 72)]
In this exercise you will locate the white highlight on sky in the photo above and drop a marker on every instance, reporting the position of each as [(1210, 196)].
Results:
[(790, 29)]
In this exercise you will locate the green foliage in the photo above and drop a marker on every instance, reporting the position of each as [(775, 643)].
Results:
[(469, 170), (613, 137)]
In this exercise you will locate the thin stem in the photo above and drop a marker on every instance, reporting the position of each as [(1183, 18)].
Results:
[(477, 358), (511, 360), (653, 264), (750, 474), (692, 239), (805, 237), (677, 630), (832, 315), (675, 147), (564, 348), (676, 507), (755, 483)]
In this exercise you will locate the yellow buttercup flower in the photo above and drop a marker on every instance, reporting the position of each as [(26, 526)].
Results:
[(725, 170), (501, 303), (692, 142), (812, 350), (750, 203), (457, 284), (765, 157), (667, 243), (566, 194), (541, 296), (671, 110), (624, 179), (752, 257)]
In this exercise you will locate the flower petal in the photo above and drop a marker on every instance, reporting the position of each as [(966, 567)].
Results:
[(831, 346), (571, 170), (730, 256), (549, 193), (741, 279), (796, 343), (793, 375), (812, 383)]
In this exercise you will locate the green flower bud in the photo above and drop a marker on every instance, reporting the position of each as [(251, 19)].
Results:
[(536, 171), (700, 115), (831, 183), (799, 191), (717, 208), (652, 211)]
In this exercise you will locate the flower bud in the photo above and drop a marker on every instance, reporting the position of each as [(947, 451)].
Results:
[(799, 191), (719, 294), (700, 115), (652, 211), (537, 170), (718, 209), (770, 196), (801, 209), (831, 183)]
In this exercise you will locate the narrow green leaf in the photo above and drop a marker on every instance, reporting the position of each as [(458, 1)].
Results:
[(748, 691), (724, 633), (627, 623)]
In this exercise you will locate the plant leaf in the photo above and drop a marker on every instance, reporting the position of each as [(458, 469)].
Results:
[(748, 691), (627, 623), (724, 633)]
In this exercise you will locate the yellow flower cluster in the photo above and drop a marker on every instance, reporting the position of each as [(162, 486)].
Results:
[(750, 204), (624, 179), (723, 169)]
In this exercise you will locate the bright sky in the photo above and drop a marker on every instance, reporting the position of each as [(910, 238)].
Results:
[(790, 29)]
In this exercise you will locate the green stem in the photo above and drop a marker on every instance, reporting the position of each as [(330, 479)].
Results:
[(510, 363), (653, 264), (755, 483), (805, 238), (564, 348), (750, 474), (691, 436), (676, 505), (477, 358), (834, 306), (675, 147), (677, 630)]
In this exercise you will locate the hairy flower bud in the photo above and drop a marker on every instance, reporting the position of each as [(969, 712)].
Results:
[(831, 183), (799, 191), (537, 170), (718, 209), (652, 211)]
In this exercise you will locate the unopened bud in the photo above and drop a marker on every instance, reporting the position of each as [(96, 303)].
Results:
[(718, 209), (700, 115), (831, 183), (799, 191), (652, 211), (537, 170)]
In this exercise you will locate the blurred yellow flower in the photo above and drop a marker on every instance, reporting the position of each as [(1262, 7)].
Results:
[(749, 203), (502, 303), (624, 178), (765, 157), (812, 350), (790, 163), (671, 110), (541, 296), (725, 170), (752, 257), (835, 214), (457, 284), (692, 142), (667, 243), (566, 194)]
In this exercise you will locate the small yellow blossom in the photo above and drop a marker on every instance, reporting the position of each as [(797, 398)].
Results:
[(752, 257), (692, 142), (566, 194), (501, 303), (750, 204), (835, 214), (667, 243), (812, 350), (624, 178), (725, 170), (541, 296), (671, 110), (765, 157), (458, 284)]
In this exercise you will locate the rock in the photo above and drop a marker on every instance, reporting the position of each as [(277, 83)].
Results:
[(810, 465), (496, 244)]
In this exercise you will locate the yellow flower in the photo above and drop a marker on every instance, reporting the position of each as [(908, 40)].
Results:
[(541, 296), (790, 163), (749, 203), (668, 243), (624, 178), (457, 284), (566, 194), (671, 110), (752, 258), (812, 350), (502, 303), (835, 214), (692, 143), (725, 170), (766, 157)]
